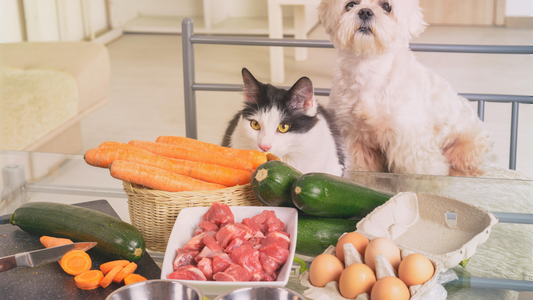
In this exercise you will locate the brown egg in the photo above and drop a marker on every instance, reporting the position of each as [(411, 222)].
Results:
[(390, 288), (325, 268), (356, 279), (415, 269), (383, 246), (358, 240)]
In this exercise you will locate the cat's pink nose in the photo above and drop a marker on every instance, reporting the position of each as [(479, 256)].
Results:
[(265, 147)]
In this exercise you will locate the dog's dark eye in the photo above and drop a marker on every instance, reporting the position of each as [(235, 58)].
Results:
[(386, 7), (350, 5)]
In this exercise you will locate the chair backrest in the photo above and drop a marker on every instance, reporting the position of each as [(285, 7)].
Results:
[(190, 86)]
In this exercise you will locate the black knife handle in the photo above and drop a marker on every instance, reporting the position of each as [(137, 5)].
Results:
[(5, 219), (7, 263)]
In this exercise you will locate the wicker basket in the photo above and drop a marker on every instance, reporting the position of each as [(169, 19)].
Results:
[(154, 212)]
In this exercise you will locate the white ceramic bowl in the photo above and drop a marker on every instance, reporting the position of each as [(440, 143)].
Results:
[(188, 220)]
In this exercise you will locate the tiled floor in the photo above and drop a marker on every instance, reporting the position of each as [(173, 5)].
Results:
[(146, 91)]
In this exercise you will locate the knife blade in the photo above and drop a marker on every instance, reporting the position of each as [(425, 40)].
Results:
[(42, 256)]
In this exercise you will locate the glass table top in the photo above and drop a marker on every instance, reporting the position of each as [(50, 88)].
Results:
[(500, 268)]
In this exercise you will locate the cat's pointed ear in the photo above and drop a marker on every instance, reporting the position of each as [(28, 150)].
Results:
[(251, 86), (303, 96)]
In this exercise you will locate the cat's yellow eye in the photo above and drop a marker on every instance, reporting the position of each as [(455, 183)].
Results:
[(255, 125), (283, 127)]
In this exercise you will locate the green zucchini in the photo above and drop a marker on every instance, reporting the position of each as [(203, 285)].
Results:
[(272, 182), (325, 195), (116, 239), (316, 234)]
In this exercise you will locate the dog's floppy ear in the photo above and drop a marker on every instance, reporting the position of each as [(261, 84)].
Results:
[(328, 17), (302, 96), (409, 15), (251, 86)]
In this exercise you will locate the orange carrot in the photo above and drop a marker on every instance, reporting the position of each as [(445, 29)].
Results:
[(49, 241), (108, 266), (118, 145), (255, 157), (129, 269), (103, 156), (95, 157), (76, 262), (89, 280), (158, 179), (106, 281), (178, 152), (132, 278)]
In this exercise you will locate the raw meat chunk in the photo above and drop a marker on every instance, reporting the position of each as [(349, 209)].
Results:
[(269, 265), (233, 273), (231, 231), (248, 258), (235, 243), (189, 273), (196, 243), (208, 226), (273, 223), (268, 221), (219, 214), (256, 243), (278, 238), (206, 252), (221, 262), (275, 252), (184, 258), (211, 242), (254, 226), (206, 266)]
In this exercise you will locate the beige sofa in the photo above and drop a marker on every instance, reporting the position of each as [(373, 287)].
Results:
[(38, 119)]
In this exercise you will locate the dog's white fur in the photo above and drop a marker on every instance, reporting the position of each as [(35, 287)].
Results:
[(395, 114)]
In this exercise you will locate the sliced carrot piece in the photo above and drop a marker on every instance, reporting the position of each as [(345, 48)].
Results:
[(49, 241), (108, 266), (89, 279), (110, 275), (89, 288), (125, 271), (132, 278), (76, 262)]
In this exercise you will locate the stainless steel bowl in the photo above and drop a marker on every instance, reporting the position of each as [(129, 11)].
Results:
[(157, 289), (259, 293)]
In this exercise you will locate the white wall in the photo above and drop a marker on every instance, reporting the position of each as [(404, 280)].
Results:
[(53, 20), (125, 10), (9, 19), (519, 8), (43, 23)]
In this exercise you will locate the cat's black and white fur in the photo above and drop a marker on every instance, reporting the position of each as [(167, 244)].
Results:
[(289, 124)]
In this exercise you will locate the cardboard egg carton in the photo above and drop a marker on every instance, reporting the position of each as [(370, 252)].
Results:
[(418, 223)]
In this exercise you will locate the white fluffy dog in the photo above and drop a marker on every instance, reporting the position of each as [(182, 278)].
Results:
[(395, 114)]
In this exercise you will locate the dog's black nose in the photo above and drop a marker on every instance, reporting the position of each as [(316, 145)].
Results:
[(365, 13)]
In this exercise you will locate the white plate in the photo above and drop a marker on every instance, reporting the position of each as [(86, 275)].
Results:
[(188, 220)]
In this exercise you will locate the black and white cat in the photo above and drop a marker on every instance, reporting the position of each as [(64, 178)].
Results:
[(289, 124)]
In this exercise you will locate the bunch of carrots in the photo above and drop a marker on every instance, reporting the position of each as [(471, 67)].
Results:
[(79, 263), (175, 164)]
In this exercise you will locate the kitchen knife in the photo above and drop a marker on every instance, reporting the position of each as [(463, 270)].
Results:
[(42, 256), (5, 219)]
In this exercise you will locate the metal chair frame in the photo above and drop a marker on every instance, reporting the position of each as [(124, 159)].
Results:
[(191, 86)]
